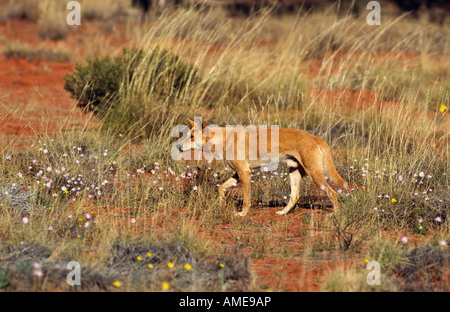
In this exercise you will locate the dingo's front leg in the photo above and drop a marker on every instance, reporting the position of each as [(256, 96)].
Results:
[(244, 178), (226, 185)]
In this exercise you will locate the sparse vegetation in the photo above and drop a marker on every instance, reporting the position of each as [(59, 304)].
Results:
[(18, 50), (402, 268)]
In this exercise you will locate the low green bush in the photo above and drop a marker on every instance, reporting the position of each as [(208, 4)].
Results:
[(95, 83)]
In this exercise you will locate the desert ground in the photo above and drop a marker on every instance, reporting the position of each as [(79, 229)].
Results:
[(86, 119)]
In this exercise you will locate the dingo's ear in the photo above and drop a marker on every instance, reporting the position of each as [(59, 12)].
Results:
[(203, 125)]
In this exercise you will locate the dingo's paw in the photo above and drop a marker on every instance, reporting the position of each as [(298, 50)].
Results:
[(240, 214), (281, 212)]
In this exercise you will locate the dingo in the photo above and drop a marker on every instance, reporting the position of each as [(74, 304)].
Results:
[(304, 154)]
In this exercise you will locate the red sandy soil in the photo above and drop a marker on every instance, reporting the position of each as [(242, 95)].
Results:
[(32, 97), (264, 241), (33, 101)]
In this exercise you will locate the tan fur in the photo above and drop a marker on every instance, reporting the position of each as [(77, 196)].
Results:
[(304, 153)]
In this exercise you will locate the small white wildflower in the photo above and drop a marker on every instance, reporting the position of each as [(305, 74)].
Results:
[(38, 273)]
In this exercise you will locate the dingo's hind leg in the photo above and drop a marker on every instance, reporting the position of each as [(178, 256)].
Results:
[(319, 179), (295, 178)]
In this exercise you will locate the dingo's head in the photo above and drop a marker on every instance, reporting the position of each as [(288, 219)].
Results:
[(196, 138)]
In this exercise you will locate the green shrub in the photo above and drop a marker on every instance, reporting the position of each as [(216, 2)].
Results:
[(95, 83)]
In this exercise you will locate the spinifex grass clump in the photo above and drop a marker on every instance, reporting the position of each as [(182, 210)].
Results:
[(163, 70)]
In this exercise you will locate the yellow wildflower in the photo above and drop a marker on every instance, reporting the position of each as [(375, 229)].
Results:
[(117, 284)]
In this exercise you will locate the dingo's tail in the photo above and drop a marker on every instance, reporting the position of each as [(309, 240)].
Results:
[(330, 168)]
